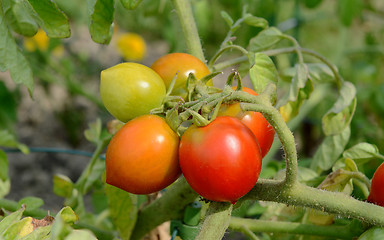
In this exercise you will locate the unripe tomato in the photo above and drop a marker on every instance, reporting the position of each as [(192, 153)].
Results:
[(142, 157), (181, 63), (220, 161), (129, 90), (260, 127), (376, 195)]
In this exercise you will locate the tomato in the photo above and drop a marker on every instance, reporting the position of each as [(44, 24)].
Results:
[(130, 89), (376, 195), (181, 64), (220, 161), (142, 157), (260, 127)]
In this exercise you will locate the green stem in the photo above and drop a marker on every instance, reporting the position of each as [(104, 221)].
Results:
[(221, 51), (255, 225), (216, 221), (188, 24), (297, 47), (285, 135), (170, 206), (304, 196), (80, 184)]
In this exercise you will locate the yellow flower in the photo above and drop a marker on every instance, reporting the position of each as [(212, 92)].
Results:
[(39, 41), (131, 46)]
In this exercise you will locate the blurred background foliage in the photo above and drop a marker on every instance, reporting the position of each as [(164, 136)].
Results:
[(350, 33)]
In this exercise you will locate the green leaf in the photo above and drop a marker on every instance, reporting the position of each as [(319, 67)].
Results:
[(39, 233), (255, 21), (8, 110), (123, 210), (329, 150), (361, 152), (300, 90), (82, 234), (3, 166), (12, 59), (62, 186), (95, 132), (341, 113), (227, 18), (31, 202), (101, 14), (20, 16), (51, 18), (18, 229), (265, 39), (9, 140), (131, 4), (262, 72), (348, 10), (10, 219), (67, 215), (372, 234), (5, 187)]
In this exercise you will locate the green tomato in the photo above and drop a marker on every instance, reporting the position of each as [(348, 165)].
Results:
[(129, 90)]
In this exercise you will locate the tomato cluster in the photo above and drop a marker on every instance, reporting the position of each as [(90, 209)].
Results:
[(221, 161)]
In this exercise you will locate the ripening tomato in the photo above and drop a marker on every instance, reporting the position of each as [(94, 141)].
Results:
[(142, 157), (129, 90), (220, 161), (263, 131), (181, 64), (376, 195)]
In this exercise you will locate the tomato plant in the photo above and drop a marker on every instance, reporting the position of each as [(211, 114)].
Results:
[(376, 194), (181, 64), (130, 89), (141, 157), (221, 161), (253, 120)]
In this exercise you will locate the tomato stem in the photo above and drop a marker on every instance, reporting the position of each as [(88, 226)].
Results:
[(188, 24)]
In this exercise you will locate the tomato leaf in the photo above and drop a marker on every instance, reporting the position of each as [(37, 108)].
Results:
[(362, 152), (31, 202), (131, 4), (20, 16), (341, 113), (101, 19), (62, 186), (10, 219), (262, 72), (227, 18), (9, 140), (329, 150), (255, 21), (123, 210), (265, 39), (51, 18), (18, 229), (12, 59), (81, 234)]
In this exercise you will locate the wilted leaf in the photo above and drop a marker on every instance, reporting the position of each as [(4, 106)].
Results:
[(20, 16), (330, 150), (51, 18), (18, 229), (341, 113), (67, 215), (262, 72), (12, 59)]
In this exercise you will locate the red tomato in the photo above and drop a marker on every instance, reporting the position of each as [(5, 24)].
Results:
[(181, 64), (142, 157), (263, 131), (220, 161), (376, 195)]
